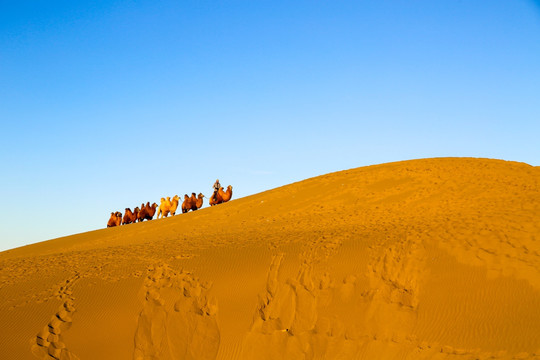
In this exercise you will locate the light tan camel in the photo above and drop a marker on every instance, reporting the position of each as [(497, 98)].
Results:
[(174, 204), (164, 207)]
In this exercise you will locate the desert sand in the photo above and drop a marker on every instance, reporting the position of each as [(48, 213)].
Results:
[(421, 259)]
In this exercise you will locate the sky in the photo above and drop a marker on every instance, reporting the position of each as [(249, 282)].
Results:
[(108, 104)]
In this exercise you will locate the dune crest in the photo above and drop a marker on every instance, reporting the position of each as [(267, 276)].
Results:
[(421, 259)]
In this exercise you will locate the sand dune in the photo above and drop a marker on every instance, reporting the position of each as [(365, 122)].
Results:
[(422, 259)]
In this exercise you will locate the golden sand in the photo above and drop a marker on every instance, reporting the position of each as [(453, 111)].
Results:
[(422, 259)]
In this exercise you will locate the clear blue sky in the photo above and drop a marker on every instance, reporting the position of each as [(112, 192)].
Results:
[(108, 104)]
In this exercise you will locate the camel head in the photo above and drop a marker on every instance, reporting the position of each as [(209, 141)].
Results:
[(201, 195), (186, 196)]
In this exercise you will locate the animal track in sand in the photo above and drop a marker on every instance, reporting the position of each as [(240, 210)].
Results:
[(178, 320), (48, 343)]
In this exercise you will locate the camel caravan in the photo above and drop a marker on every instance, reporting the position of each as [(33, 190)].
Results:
[(169, 206)]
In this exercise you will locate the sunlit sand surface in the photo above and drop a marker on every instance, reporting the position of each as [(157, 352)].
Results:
[(423, 259)]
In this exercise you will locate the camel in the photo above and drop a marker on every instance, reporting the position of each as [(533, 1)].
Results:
[(136, 214), (213, 199), (174, 204), (131, 217), (221, 196), (115, 219), (186, 205), (193, 202), (142, 213), (225, 196), (199, 202), (118, 218), (112, 220), (128, 217), (147, 212), (150, 210), (164, 207)]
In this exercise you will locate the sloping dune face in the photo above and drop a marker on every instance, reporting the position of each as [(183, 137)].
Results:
[(423, 259)]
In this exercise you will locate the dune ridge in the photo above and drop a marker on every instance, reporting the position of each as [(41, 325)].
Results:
[(420, 259)]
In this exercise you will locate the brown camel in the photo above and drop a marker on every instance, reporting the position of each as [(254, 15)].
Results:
[(193, 202), (199, 201), (112, 220), (150, 210), (213, 199), (225, 196), (136, 214), (115, 219), (128, 217), (221, 196), (142, 213), (147, 212), (186, 205), (118, 218)]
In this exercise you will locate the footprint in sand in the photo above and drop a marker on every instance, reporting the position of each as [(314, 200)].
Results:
[(290, 321), (48, 343), (395, 272), (178, 320)]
